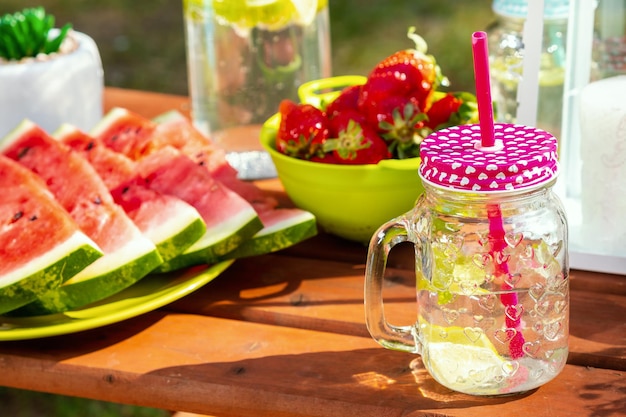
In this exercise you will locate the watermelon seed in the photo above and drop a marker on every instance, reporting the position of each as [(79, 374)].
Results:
[(22, 153), (33, 218), (125, 190), (17, 216), (90, 146), (97, 200)]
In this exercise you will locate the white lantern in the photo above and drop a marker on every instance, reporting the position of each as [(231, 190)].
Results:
[(593, 145)]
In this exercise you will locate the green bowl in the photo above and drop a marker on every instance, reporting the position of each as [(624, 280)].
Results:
[(350, 201)]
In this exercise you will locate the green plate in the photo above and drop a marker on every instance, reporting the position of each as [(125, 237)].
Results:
[(148, 294)]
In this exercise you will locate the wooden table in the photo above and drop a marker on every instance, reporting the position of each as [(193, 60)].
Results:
[(284, 335)]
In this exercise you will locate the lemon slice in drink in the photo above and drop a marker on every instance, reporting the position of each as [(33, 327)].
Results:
[(463, 359), (466, 368), (461, 275)]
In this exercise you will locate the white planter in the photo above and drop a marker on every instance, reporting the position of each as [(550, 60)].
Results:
[(63, 88)]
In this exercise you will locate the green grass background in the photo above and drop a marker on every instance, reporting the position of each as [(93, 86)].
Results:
[(142, 46)]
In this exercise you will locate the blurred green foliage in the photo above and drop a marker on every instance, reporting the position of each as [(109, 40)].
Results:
[(142, 43)]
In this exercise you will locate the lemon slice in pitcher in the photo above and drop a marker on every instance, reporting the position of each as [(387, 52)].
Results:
[(269, 14), (247, 14), (305, 11)]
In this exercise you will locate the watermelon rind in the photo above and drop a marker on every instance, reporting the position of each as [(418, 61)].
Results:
[(177, 233), (169, 116), (217, 241), (46, 272), (281, 235), (106, 276)]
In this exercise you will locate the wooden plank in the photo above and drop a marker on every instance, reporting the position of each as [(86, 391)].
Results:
[(598, 282), (297, 292), (233, 368), (328, 296)]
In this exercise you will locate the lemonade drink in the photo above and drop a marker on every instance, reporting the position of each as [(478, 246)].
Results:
[(245, 56), (475, 342)]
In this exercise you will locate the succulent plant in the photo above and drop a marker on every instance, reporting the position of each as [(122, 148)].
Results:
[(26, 34)]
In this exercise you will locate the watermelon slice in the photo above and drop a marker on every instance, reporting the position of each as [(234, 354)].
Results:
[(41, 247), (230, 220), (170, 223), (128, 255), (136, 137)]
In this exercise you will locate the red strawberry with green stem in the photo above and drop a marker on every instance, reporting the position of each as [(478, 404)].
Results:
[(347, 99), (397, 93), (401, 124), (452, 109), (302, 131), (407, 73), (355, 141)]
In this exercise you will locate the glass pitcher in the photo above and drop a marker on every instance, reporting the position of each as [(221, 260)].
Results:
[(490, 239), (244, 57)]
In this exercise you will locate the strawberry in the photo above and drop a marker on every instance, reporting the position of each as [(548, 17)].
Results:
[(380, 85), (401, 124), (380, 114), (347, 99), (339, 123), (303, 130), (356, 142), (452, 109), (408, 73)]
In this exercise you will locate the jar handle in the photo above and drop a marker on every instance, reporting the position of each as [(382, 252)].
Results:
[(387, 335)]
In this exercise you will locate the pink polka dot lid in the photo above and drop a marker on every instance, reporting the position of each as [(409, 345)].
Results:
[(522, 157)]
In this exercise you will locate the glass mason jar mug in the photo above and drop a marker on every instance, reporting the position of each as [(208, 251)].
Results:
[(491, 267)]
